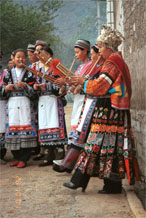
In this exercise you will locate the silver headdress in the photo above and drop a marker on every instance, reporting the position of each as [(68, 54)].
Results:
[(110, 38)]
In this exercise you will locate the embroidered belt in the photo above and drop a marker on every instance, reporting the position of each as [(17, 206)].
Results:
[(99, 96), (45, 93), (17, 94)]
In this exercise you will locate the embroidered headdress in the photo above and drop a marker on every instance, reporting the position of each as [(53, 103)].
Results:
[(110, 38)]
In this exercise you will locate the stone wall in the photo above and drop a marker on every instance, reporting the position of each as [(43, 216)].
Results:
[(130, 19), (134, 15)]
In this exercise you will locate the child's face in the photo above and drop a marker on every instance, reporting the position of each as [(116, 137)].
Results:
[(19, 59)]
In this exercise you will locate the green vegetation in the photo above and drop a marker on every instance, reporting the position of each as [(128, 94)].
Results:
[(22, 25), (58, 22)]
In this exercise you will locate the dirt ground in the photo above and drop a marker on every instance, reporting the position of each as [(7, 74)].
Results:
[(38, 192)]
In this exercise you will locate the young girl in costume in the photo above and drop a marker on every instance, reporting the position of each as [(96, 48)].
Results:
[(20, 129)]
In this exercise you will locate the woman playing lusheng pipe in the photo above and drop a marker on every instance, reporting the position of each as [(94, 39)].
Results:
[(108, 149), (51, 120), (81, 49), (76, 143)]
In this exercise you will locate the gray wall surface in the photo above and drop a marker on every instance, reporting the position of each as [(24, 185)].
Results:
[(130, 17)]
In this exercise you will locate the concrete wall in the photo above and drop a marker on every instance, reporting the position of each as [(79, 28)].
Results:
[(130, 19), (134, 13)]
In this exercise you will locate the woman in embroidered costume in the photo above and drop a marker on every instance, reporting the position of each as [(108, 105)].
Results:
[(82, 48), (3, 103), (33, 60), (37, 65), (51, 120), (10, 64), (31, 55), (21, 134), (43, 153), (80, 134), (105, 150)]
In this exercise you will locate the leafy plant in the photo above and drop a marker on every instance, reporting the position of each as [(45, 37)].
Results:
[(23, 25)]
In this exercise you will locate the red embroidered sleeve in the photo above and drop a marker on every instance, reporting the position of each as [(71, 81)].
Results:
[(100, 86)]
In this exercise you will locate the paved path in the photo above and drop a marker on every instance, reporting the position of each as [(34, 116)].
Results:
[(37, 192)]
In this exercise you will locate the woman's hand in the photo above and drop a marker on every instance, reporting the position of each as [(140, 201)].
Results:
[(9, 87), (69, 81), (35, 86), (42, 86), (20, 84), (60, 82), (77, 80)]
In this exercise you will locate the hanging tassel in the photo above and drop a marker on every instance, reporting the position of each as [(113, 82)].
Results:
[(127, 170)]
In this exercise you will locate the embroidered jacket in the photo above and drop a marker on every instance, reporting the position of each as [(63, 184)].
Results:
[(26, 76), (84, 69), (50, 87), (114, 79)]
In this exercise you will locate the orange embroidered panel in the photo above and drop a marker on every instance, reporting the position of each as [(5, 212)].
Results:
[(20, 128), (101, 85), (105, 128)]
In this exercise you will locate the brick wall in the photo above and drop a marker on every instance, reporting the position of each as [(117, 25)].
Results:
[(134, 17), (130, 17)]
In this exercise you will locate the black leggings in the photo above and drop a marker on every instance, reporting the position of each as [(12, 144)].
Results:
[(111, 186), (22, 155), (80, 179), (2, 153)]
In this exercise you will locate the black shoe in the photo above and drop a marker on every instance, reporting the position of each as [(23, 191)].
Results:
[(102, 191), (45, 163), (34, 153), (38, 157), (61, 169), (73, 186), (3, 162)]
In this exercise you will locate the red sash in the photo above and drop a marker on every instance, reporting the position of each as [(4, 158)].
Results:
[(118, 61)]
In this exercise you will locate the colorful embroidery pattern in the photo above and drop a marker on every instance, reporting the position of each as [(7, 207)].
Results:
[(105, 141), (53, 134), (78, 138)]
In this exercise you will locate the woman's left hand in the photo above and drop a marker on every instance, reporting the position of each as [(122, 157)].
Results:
[(77, 80), (43, 86), (21, 84), (60, 82)]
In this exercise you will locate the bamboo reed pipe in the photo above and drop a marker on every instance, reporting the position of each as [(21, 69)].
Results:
[(79, 87), (40, 74)]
